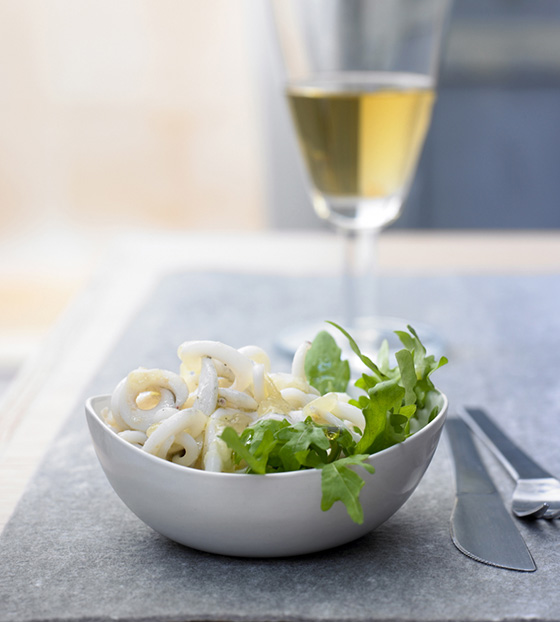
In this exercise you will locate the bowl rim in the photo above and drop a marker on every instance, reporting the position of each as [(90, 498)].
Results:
[(212, 474)]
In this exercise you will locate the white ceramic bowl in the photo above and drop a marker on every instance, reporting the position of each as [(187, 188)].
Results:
[(255, 515)]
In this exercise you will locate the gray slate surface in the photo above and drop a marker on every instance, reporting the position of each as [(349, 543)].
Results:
[(72, 551)]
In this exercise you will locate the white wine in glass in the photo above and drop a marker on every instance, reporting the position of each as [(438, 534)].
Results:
[(360, 137), (361, 84)]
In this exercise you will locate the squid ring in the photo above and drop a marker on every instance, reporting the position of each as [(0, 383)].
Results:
[(237, 399), (257, 355), (190, 352), (188, 420), (191, 447), (298, 362), (170, 389)]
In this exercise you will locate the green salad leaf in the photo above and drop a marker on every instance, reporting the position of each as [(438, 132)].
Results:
[(379, 409), (324, 368), (355, 348), (255, 452), (271, 446), (340, 483), (396, 402)]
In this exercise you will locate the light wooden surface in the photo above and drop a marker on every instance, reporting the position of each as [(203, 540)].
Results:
[(52, 379)]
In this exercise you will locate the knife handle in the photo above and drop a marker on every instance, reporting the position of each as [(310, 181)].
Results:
[(470, 473), (516, 461)]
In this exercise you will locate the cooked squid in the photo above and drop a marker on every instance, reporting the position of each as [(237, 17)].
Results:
[(145, 396), (180, 416)]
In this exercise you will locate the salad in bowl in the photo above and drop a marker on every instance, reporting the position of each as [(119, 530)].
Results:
[(228, 456)]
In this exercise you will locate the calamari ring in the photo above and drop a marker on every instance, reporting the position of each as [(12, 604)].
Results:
[(191, 447), (236, 399), (170, 387), (297, 398), (207, 390), (351, 413), (190, 353), (298, 362), (258, 382), (176, 421), (257, 355), (134, 437), (320, 409)]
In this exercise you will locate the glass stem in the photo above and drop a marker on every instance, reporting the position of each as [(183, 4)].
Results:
[(360, 275)]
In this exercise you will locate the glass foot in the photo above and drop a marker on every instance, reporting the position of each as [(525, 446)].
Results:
[(369, 333)]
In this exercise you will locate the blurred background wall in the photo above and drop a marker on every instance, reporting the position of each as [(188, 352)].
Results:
[(127, 112)]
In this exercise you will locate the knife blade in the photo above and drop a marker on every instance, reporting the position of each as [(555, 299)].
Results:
[(481, 526)]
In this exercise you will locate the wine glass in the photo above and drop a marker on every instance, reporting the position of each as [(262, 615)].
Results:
[(361, 79)]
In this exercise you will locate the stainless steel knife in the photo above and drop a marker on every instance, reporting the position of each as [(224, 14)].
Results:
[(481, 527)]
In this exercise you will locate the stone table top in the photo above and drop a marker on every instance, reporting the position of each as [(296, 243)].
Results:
[(72, 551)]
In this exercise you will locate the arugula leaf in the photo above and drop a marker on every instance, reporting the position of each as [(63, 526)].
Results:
[(257, 459), (424, 364), (385, 398), (298, 442), (277, 446), (383, 357), (365, 359), (340, 483), (324, 368), (261, 439), (408, 375), (416, 402), (341, 442)]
